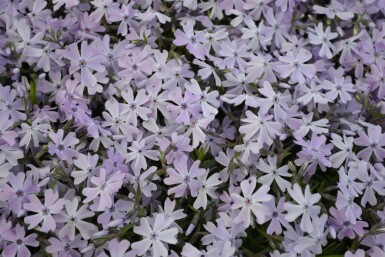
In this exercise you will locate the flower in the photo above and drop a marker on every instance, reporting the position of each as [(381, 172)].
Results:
[(184, 177), (323, 38), (73, 218), (194, 41), (176, 148), (19, 242), (373, 141), (62, 147), (105, 188), (87, 61), (260, 126), (251, 202), (17, 194), (186, 106), (87, 165), (276, 216), (305, 207), (273, 173), (35, 131), (341, 87), (52, 205), (64, 246), (293, 66), (133, 107), (156, 234), (208, 186), (316, 239)]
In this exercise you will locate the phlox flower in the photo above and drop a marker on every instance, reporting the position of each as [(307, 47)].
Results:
[(106, 186), (156, 235), (52, 205), (305, 207), (251, 202), (89, 59), (194, 41), (62, 146), (183, 177), (73, 219), (293, 66), (19, 242)]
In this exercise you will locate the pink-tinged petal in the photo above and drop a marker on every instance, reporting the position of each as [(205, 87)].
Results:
[(168, 236), (33, 220), (262, 194), (34, 205), (261, 212), (244, 216), (293, 211), (90, 193), (48, 224), (68, 230), (118, 248), (31, 240), (57, 207), (142, 246), (85, 228), (306, 224), (72, 53), (16, 181), (10, 250), (144, 229), (181, 38), (87, 78), (159, 249), (248, 186)]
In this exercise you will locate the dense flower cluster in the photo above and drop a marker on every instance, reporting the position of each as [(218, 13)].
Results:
[(192, 128)]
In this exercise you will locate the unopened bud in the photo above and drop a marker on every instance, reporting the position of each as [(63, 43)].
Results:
[(101, 234), (15, 71), (88, 248), (190, 229), (283, 137)]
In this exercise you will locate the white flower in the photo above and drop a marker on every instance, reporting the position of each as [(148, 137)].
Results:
[(73, 218), (155, 236), (305, 207), (208, 187), (273, 173)]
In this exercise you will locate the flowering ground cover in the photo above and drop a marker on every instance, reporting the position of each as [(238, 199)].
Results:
[(192, 128)]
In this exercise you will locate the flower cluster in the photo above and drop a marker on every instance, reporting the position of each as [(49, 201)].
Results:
[(192, 128)]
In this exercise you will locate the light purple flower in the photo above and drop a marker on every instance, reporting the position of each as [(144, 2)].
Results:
[(156, 234), (293, 66), (62, 146), (52, 205), (89, 59), (251, 202), (194, 41), (106, 187), (19, 242), (305, 207), (73, 219), (184, 177)]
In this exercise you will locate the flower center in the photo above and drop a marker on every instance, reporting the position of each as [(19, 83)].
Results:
[(19, 193), (247, 201), (82, 63), (153, 236), (186, 179), (45, 211)]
